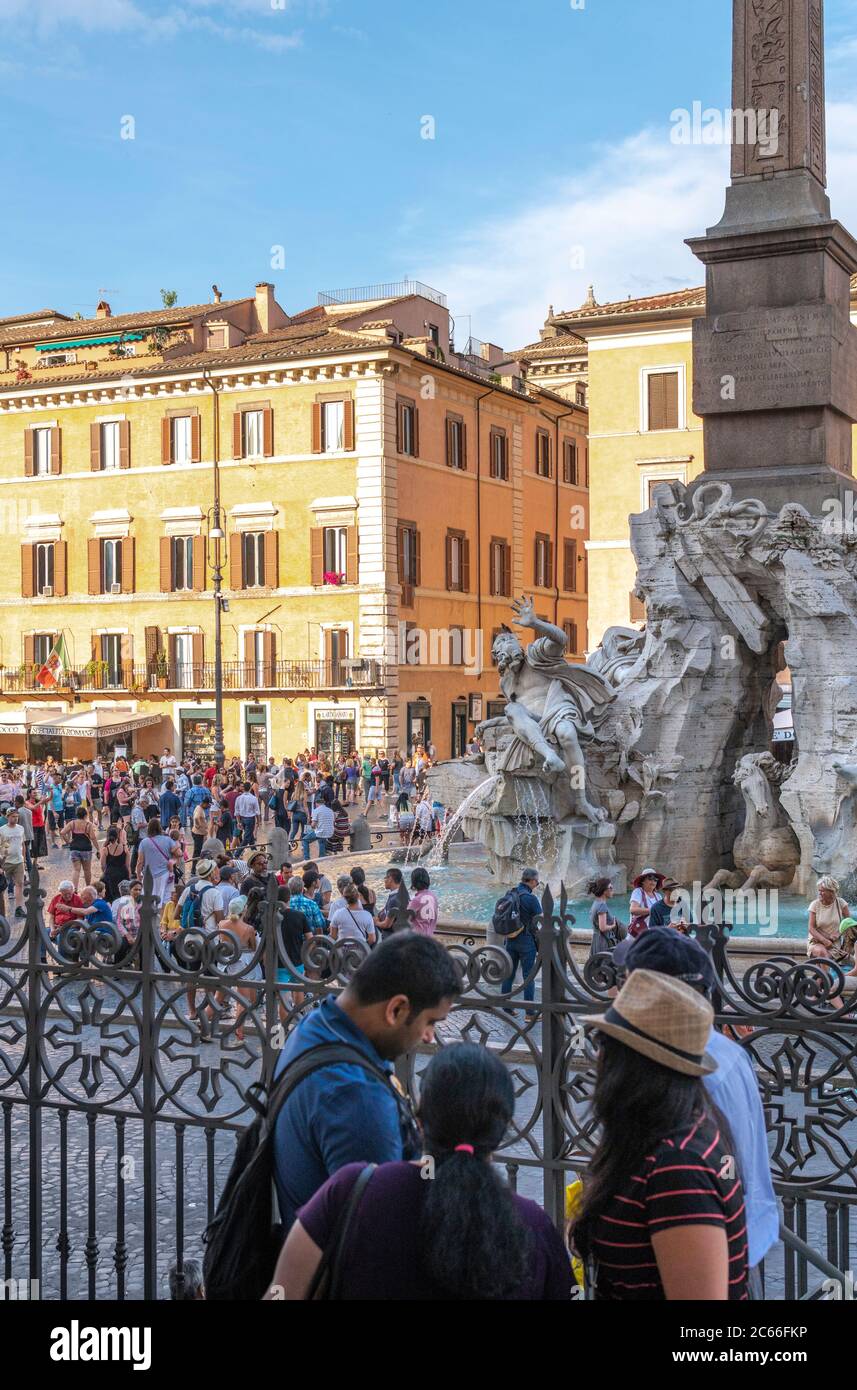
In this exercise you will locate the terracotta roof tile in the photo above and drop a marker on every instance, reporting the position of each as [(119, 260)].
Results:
[(117, 323)]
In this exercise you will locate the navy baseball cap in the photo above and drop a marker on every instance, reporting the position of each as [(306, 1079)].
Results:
[(668, 952)]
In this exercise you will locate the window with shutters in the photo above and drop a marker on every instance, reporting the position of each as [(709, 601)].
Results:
[(182, 562), (543, 454), (543, 566), (662, 400), (569, 566), (407, 553), (111, 567), (569, 462), (332, 426), (111, 655), (110, 446), (252, 434), (253, 557), (499, 455), (500, 565), (335, 554), (44, 569), (570, 630), (406, 427), (580, 395), (456, 453), (181, 439), (457, 562), (41, 452), (182, 644)]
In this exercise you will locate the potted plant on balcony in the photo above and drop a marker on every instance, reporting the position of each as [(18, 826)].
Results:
[(332, 577), (96, 673), (162, 669)]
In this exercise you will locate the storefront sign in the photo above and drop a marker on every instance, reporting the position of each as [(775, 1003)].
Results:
[(336, 714)]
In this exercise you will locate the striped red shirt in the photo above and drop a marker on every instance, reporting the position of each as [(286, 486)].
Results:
[(679, 1184)]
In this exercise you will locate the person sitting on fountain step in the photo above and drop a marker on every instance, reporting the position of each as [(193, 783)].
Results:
[(669, 913)]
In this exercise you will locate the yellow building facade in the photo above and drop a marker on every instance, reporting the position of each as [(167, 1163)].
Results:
[(380, 506)]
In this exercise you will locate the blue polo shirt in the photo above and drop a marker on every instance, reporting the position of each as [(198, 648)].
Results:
[(529, 905), (337, 1115)]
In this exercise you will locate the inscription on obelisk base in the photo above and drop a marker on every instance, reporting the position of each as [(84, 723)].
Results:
[(775, 358)]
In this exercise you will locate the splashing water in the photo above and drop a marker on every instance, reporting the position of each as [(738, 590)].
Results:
[(470, 802)]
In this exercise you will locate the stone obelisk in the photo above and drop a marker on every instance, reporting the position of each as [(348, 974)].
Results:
[(775, 358)]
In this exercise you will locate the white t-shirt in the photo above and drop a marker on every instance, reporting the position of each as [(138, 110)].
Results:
[(322, 821), (211, 902), (353, 923), (247, 806), (12, 844)]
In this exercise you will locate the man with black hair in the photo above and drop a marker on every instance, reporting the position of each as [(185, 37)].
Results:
[(342, 1113)]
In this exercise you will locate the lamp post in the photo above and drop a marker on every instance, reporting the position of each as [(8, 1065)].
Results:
[(218, 536)]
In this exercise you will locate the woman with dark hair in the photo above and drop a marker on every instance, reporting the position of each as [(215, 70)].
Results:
[(606, 930), (461, 1235), (423, 908), (663, 1214), (369, 896), (114, 861)]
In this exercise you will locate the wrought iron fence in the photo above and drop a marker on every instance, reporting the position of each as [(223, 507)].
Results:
[(118, 1111)]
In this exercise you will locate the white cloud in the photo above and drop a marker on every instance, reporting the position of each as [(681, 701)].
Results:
[(28, 18), (629, 210)]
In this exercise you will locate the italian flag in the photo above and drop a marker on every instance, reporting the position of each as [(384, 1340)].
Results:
[(55, 667)]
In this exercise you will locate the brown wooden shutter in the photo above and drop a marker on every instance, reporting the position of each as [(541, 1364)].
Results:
[(463, 446), (249, 654), (56, 449), (316, 427), (492, 555), (236, 561), (153, 646), (28, 571), (195, 439), (465, 566), (569, 578), (348, 429), (198, 657), (237, 447), (316, 547), (96, 646), (167, 582), (272, 559), (351, 560), (29, 651), (126, 657), (400, 411), (124, 443), (449, 443), (166, 440), (449, 540), (29, 453), (127, 560), (170, 654), (416, 432), (549, 579), (536, 556), (93, 562), (418, 558), (328, 648), (200, 578), (507, 570), (60, 569), (270, 657), (95, 448), (400, 554), (267, 432)]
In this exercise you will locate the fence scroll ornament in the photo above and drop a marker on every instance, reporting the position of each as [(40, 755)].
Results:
[(118, 1111)]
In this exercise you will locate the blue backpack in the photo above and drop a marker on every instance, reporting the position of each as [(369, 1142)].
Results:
[(192, 906)]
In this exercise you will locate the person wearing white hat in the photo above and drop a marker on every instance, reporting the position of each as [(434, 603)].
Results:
[(662, 1214)]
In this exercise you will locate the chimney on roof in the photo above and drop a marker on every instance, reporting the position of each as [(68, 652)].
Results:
[(590, 302), (103, 310), (218, 295), (265, 306)]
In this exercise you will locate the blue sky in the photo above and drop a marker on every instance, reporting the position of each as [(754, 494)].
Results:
[(297, 123)]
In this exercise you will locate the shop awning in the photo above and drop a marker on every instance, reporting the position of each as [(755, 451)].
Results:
[(18, 721), (94, 723), (64, 345)]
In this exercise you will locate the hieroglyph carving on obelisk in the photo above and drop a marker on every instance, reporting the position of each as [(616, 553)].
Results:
[(778, 67)]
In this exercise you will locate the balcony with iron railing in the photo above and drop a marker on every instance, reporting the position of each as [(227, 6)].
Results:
[(282, 677)]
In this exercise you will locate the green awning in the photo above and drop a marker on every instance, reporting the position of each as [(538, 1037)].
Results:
[(63, 345)]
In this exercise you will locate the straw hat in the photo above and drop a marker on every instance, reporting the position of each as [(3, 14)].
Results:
[(662, 1018), (648, 873)]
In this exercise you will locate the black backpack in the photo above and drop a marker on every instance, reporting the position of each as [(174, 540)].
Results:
[(243, 1241), (507, 915)]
